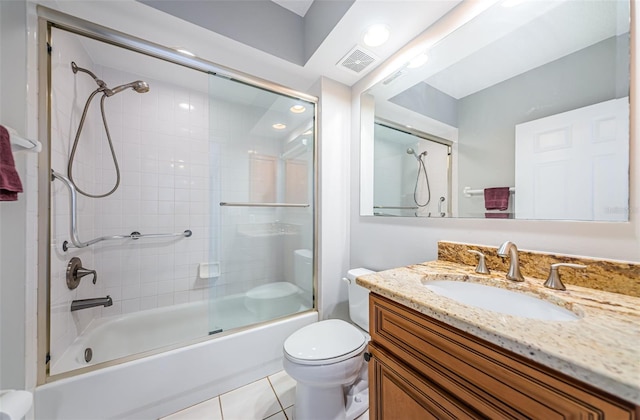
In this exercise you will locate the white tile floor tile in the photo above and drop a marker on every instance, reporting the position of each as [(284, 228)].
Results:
[(278, 416), (261, 400), (207, 410), (254, 401), (284, 387), (363, 416), (289, 413)]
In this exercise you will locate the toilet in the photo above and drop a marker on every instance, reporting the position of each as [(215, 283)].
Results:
[(326, 360), (280, 298)]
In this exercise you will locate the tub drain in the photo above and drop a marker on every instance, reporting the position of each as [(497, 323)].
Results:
[(88, 354)]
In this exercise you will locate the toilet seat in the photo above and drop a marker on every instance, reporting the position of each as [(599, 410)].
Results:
[(324, 342)]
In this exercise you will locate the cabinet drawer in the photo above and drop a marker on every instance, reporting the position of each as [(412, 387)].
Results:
[(494, 381)]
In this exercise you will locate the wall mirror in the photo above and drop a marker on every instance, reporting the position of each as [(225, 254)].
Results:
[(522, 112)]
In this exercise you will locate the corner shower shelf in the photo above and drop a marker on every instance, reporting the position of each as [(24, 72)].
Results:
[(75, 239)]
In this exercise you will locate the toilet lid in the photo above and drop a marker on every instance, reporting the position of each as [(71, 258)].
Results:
[(331, 341)]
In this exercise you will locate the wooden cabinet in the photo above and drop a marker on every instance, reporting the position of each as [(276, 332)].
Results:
[(422, 368)]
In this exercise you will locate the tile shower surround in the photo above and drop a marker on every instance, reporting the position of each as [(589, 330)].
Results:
[(163, 151), (171, 178)]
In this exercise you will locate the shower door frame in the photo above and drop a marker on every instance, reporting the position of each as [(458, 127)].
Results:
[(48, 19), (432, 138)]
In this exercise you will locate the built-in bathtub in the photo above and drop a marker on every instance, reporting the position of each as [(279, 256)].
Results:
[(163, 383)]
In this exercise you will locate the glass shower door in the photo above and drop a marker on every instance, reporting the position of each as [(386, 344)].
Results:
[(261, 198)]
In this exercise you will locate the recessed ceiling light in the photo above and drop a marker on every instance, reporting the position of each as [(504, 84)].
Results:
[(418, 61), (297, 109), (185, 52), (279, 126), (376, 35)]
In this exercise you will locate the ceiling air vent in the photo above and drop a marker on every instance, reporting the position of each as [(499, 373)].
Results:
[(357, 60)]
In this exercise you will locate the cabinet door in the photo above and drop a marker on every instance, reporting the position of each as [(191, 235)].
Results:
[(399, 393)]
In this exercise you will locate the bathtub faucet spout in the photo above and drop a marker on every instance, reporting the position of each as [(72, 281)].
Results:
[(76, 305)]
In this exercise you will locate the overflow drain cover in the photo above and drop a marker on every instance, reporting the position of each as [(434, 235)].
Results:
[(88, 354)]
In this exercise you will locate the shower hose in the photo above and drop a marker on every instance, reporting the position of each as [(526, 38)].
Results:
[(421, 169), (76, 141)]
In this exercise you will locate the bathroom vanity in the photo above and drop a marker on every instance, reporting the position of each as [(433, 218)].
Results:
[(434, 357)]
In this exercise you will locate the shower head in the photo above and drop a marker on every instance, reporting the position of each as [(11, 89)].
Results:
[(410, 151), (139, 86)]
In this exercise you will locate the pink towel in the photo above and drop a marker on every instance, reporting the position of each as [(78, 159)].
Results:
[(10, 184), (496, 198)]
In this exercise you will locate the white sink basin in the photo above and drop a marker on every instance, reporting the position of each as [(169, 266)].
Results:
[(500, 300)]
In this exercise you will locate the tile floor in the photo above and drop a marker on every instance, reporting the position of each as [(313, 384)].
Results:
[(270, 398)]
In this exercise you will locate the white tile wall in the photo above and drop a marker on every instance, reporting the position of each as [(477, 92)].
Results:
[(162, 151)]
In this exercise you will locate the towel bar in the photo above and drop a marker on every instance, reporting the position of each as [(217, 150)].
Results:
[(468, 192)]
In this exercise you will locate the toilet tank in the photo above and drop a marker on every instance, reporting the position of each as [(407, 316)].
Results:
[(358, 298)]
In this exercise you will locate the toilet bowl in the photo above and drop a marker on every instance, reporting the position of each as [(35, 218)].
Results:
[(280, 298), (326, 361), (273, 300)]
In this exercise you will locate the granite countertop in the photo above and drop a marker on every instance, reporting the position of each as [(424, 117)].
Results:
[(601, 348)]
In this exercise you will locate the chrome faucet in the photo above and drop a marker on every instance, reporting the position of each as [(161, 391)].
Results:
[(510, 249), (76, 305)]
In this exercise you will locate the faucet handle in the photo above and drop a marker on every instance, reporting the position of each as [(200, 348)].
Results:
[(554, 282), (75, 271), (482, 265)]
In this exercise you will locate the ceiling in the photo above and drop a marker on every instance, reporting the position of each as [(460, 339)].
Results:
[(299, 7), (237, 34)]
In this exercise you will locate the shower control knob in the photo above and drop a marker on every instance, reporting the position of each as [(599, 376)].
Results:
[(367, 356)]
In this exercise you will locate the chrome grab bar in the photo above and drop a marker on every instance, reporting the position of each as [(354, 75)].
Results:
[(395, 207), (227, 204), (440, 203), (73, 228)]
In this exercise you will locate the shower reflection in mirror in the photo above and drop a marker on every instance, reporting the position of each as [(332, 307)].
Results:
[(412, 172)]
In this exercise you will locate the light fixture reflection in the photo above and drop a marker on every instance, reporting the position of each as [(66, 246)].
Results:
[(185, 52), (185, 106), (418, 61), (297, 109), (376, 35), (279, 126)]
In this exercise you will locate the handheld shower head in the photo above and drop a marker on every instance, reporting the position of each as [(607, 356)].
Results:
[(139, 86), (410, 151)]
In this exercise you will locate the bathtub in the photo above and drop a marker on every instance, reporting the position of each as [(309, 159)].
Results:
[(164, 383)]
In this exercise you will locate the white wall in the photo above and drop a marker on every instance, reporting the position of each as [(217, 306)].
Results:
[(334, 160), (382, 243), (18, 238)]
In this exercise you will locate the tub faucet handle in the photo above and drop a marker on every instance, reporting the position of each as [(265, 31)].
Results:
[(482, 265), (75, 271), (554, 282)]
